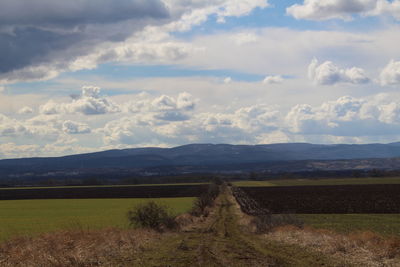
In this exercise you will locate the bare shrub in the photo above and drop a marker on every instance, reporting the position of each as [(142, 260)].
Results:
[(151, 215), (205, 200)]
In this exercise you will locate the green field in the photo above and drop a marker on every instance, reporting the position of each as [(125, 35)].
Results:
[(28, 217), (385, 224), (254, 183), (322, 181)]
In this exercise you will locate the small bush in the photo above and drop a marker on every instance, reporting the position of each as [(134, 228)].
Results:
[(200, 204), (151, 215), (205, 200)]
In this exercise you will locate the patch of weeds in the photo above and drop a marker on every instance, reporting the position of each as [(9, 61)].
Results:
[(152, 215)]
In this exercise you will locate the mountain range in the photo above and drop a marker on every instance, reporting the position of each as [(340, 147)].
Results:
[(203, 157)]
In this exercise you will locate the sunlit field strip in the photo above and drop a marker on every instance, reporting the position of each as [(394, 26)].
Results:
[(385, 224), (322, 181), (29, 217)]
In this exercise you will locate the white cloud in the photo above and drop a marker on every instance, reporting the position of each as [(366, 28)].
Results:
[(91, 106), (130, 131), (50, 108), (273, 79), (227, 80), (328, 73), (40, 128), (164, 107), (185, 101), (390, 75), (10, 127), (332, 9), (244, 38), (134, 50), (343, 9), (167, 120), (347, 116), (25, 110), (12, 150), (287, 51), (164, 102), (196, 12), (89, 103), (385, 7), (241, 126), (238, 8), (72, 127)]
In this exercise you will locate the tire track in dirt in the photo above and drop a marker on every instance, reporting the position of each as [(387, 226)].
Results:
[(221, 241)]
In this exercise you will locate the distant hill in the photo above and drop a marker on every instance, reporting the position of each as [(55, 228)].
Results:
[(207, 158)]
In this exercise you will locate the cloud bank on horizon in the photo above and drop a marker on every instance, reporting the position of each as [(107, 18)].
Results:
[(90, 75)]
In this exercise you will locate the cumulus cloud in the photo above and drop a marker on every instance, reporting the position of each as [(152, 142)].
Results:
[(390, 75), (185, 101), (164, 107), (238, 8), (38, 128), (343, 9), (72, 127), (227, 80), (347, 116), (49, 108), (25, 110), (385, 7), (171, 120), (131, 131), (328, 73), (273, 79), (12, 150), (240, 126), (322, 10), (10, 127), (89, 103)]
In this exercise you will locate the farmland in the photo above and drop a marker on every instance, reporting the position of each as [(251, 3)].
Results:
[(225, 237), (341, 207), (151, 191), (384, 224), (328, 199), (320, 181), (26, 211), (27, 217)]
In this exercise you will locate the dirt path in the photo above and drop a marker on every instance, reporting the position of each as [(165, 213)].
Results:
[(221, 241)]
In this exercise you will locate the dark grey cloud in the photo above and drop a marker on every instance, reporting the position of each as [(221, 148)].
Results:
[(29, 45), (40, 32), (76, 12)]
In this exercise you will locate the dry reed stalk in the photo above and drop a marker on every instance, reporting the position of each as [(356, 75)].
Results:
[(106, 247), (359, 248)]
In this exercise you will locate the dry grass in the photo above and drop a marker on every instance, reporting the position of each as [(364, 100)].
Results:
[(108, 247), (359, 248), (364, 248)]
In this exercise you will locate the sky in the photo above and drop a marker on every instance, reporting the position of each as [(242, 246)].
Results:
[(89, 75)]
